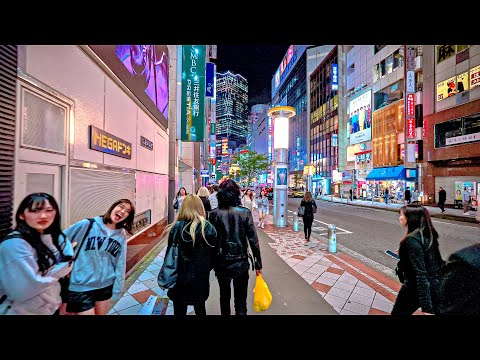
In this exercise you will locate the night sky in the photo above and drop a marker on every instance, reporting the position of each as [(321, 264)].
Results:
[(256, 63)]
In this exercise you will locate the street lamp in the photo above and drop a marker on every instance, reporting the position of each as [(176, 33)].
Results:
[(280, 116), (308, 170)]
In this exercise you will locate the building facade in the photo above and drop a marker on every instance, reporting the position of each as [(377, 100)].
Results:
[(231, 108), (91, 128), (451, 120)]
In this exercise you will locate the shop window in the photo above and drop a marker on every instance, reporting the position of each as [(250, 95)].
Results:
[(397, 59), (389, 64), (457, 131), (382, 68), (376, 72)]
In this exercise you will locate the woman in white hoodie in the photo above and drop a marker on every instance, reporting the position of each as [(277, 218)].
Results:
[(99, 270), (33, 258)]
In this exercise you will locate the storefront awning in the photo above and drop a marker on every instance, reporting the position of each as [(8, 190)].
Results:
[(387, 173)]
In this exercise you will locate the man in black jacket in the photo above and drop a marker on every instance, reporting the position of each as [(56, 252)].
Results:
[(442, 197), (235, 232)]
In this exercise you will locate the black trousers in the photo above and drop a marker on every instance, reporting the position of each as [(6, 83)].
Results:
[(441, 205), (180, 308), (406, 302), (240, 289), (307, 227)]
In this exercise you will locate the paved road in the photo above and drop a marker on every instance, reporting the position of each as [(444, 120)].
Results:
[(370, 232)]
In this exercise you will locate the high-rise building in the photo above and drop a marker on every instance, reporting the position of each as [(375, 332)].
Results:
[(232, 109)]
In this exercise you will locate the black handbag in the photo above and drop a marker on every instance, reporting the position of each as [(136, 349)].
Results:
[(167, 276)]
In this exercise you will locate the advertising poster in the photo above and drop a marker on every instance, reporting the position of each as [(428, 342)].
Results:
[(458, 190), (144, 71), (462, 82), (475, 77), (361, 118), (193, 93), (281, 177), (446, 88)]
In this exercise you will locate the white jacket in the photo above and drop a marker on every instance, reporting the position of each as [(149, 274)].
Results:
[(28, 291)]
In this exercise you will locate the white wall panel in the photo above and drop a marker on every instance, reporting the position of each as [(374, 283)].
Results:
[(161, 151), (68, 70), (144, 191), (121, 121), (160, 204), (145, 128)]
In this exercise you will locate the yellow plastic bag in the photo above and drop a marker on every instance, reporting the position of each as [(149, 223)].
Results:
[(262, 297)]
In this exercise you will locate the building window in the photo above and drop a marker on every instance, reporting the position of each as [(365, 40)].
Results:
[(458, 131)]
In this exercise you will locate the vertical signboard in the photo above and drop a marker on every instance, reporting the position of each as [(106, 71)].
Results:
[(209, 80), (409, 108), (193, 93), (334, 76)]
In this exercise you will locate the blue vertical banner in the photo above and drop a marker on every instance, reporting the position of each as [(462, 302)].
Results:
[(209, 80), (193, 93), (334, 76)]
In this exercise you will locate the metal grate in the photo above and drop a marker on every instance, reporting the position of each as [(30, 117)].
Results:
[(92, 192), (8, 75)]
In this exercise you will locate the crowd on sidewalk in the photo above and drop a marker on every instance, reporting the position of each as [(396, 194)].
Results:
[(79, 270)]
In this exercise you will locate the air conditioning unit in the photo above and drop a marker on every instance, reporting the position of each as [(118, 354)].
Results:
[(418, 62)]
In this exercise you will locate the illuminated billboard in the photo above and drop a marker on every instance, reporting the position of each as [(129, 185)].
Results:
[(288, 62), (360, 115), (144, 71)]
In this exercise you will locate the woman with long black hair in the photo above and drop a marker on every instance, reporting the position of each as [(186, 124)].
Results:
[(33, 257), (420, 265)]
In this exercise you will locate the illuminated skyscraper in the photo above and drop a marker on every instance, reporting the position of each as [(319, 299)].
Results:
[(232, 109)]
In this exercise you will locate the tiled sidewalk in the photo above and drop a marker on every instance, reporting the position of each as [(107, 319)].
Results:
[(351, 287), (348, 285)]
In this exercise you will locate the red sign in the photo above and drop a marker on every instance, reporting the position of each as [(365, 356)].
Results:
[(411, 128), (243, 151), (424, 127), (410, 105)]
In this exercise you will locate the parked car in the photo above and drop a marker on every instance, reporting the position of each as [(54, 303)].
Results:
[(298, 194)]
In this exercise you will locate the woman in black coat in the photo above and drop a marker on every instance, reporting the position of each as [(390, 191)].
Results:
[(421, 265), (203, 194), (197, 240), (236, 233), (310, 208)]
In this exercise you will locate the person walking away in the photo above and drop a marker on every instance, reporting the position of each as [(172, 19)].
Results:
[(198, 246), (203, 194), (385, 193), (236, 233), (408, 195), (177, 202), (442, 197), (262, 205), (310, 209), (33, 257), (213, 197), (98, 273), (466, 201), (351, 194), (420, 266)]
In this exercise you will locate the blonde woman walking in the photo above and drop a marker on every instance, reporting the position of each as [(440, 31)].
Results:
[(197, 240), (263, 205)]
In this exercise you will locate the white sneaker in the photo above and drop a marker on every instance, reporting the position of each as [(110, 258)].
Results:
[(466, 213), (263, 226)]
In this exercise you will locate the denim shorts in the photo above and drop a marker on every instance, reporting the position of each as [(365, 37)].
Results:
[(83, 301)]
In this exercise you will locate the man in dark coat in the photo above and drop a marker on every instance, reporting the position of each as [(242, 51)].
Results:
[(408, 195), (442, 197), (460, 290)]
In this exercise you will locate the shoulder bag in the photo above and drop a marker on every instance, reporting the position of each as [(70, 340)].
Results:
[(167, 277)]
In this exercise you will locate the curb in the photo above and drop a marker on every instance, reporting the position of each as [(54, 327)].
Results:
[(439, 216)]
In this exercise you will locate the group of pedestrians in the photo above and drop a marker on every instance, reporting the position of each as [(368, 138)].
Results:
[(223, 240), (45, 270)]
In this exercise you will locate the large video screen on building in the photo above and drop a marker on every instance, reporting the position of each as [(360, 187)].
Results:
[(361, 118), (144, 70)]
